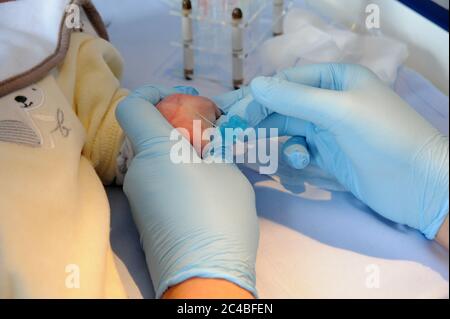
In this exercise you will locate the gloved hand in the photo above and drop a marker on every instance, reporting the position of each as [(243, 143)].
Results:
[(195, 220), (360, 131), (241, 104)]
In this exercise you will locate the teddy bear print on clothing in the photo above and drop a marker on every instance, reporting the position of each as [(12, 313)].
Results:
[(16, 124)]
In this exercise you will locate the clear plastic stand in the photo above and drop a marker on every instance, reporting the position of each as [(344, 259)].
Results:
[(218, 41)]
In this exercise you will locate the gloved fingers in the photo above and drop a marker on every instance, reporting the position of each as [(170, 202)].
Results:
[(330, 76), (295, 151), (319, 106), (287, 126), (250, 110), (140, 120), (324, 76), (226, 101)]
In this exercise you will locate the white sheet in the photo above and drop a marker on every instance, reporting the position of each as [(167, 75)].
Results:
[(291, 265), (308, 39)]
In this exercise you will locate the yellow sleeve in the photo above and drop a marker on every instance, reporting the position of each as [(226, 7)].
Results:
[(89, 77)]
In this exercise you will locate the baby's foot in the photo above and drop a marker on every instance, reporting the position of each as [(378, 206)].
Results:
[(181, 110)]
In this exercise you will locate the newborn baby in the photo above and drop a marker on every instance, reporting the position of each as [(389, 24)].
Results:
[(181, 110)]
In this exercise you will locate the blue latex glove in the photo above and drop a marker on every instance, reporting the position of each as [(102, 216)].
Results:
[(360, 131), (241, 104), (195, 220)]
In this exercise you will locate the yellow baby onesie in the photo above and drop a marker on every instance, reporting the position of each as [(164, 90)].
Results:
[(57, 137)]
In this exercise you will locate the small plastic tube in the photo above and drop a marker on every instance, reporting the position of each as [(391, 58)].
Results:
[(188, 39), (278, 10), (296, 154), (238, 48)]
